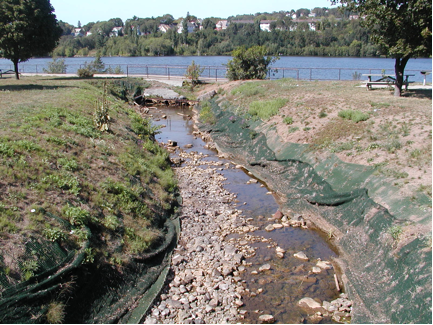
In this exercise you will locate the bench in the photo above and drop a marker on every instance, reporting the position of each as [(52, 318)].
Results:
[(385, 80)]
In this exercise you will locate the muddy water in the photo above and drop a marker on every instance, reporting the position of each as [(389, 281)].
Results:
[(278, 290)]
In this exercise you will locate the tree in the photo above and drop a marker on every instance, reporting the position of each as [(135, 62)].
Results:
[(401, 28), (27, 29), (249, 64), (193, 73)]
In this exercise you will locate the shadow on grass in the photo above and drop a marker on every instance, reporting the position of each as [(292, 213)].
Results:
[(30, 87), (418, 93)]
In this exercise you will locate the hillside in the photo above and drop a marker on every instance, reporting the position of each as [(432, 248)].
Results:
[(84, 188)]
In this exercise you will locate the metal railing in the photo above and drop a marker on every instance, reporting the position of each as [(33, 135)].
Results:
[(219, 72)]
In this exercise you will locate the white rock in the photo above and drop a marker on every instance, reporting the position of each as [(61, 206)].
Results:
[(301, 256), (316, 270), (325, 265), (266, 319), (310, 304), (264, 267), (269, 228)]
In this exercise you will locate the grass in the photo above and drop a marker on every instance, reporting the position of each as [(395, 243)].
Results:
[(57, 156), (266, 109), (354, 115)]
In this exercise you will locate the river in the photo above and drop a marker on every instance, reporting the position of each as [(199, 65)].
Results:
[(314, 68), (278, 290)]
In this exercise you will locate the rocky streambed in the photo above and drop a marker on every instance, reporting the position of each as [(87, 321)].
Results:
[(227, 267)]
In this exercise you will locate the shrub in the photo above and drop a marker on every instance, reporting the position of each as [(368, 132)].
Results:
[(56, 66), (249, 63), (85, 73)]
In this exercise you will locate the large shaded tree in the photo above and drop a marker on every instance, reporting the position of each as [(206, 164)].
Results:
[(401, 28), (28, 28)]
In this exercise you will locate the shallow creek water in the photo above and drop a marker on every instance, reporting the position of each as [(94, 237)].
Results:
[(278, 290)]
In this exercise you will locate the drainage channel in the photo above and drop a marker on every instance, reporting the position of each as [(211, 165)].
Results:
[(295, 258)]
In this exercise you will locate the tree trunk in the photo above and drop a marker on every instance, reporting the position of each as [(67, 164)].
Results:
[(17, 75), (400, 64)]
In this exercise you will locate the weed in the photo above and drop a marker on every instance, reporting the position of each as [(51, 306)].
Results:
[(29, 268), (77, 216), (67, 164), (322, 114), (425, 189), (55, 313), (111, 222), (392, 145), (54, 234), (293, 129), (206, 115), (395, 232), (288, 120), (416, 153)]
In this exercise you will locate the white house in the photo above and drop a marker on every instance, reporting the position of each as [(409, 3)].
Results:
[(164, 28), (221, 25), (265, 25), (77, 32), (191, 26), (116, 31)]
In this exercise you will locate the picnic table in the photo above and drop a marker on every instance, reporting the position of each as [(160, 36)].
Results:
[(386, 80), (425, 73), (6, 72)]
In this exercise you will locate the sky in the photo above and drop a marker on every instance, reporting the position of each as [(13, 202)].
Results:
[(85, 11)]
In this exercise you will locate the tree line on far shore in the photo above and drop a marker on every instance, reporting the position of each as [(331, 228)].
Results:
[(335, 35)]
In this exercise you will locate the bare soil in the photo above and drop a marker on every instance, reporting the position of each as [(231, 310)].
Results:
[(396, 138)]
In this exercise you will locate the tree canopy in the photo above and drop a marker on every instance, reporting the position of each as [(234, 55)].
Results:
[(401, 28), (27, 29)]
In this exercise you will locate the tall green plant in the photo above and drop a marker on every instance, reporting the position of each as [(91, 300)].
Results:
[(193, 73)]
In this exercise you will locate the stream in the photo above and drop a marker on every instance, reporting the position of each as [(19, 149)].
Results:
[(278, 291)]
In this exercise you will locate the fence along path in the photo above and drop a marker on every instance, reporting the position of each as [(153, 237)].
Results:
[(218, 73)]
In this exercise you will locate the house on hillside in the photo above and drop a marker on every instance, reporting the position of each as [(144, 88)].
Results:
[(311, 23), (265, 25), (164, 28), (77, 32), (221, 25), (191, 27), (116, 31)]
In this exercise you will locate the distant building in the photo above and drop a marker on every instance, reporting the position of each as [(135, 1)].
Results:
[(221, 25), (164, 28), (77, 32), (265, 25), (116, 31), (191, 27)]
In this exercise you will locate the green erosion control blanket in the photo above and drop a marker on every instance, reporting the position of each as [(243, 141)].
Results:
[(96, 295), (389, 281)]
